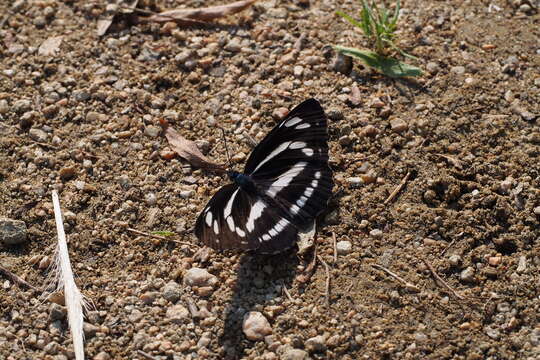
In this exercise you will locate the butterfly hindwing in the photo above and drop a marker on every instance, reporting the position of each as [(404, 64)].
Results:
[(235, 220)]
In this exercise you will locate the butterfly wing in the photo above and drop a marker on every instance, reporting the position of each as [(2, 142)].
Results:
[(234, 219), (290, 165)]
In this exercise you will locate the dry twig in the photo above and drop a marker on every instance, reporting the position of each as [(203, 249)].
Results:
[(286, 292), (164, 238), (16, 279), (398, 188), (327, 287), (408, 285), (441, 281)]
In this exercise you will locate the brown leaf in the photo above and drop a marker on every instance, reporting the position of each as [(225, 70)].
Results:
[(201, 14), (124, 6), (50, 46), (188, 150)]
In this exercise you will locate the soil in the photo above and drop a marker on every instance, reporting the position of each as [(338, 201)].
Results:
[(85, 121)]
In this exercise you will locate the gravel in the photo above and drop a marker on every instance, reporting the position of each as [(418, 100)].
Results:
[(255, 326)]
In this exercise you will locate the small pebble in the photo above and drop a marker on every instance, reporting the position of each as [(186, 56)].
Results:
[(67, 172), (199, 277), (467, 275), (315, 344), (344, 247), (522, 265), (454, 260), (177, 314), (255, 326), (280, 113), (376, 233), (38, 135), (536, 210), (398, 126), (152, 131), (458, 70), (12, 232), (172, 291), (355, 181)]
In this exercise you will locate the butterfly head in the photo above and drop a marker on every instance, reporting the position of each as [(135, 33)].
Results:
[(244, 181)]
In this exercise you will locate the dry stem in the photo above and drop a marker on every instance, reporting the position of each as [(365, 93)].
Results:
[(408, 285), (397, 189), (441, 281)]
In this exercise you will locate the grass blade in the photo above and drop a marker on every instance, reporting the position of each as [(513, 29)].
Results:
[(350, 19), (386, 65)]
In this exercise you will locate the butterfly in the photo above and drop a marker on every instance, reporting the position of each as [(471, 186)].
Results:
[(286, 183)]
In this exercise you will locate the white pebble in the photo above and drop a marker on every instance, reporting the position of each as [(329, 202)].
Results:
[(255, 326)]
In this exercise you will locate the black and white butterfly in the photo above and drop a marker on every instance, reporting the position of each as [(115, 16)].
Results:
[(286, 183)]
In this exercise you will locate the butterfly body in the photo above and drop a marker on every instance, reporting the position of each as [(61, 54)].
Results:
[(285, 185)]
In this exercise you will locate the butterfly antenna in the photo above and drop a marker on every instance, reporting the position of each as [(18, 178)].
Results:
[(226, 147)]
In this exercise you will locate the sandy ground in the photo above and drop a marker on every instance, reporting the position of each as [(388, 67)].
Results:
[(464, 138)]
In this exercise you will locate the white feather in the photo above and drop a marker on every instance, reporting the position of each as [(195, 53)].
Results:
[(74, 299)]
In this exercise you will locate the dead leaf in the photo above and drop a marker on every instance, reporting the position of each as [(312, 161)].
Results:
[(201, 14), (123, 6), (189, 151), (50, 46)]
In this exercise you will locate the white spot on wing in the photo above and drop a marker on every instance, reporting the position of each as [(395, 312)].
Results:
[(295, 209), (208, 218), (240, 232), (314, 183), (274, 153), (308, 192), (230, 222), (303, 126), (228, 207), (254, 214), (295, 120), (297, 145), (266, 237), (318, 175), (308, 152), (286, 178), (216, 227)]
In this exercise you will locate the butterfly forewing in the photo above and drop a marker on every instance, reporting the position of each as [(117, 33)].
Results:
[(292, 185)]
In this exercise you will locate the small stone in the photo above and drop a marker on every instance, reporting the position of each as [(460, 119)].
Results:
[(344, 247), (199, 277), (38, 135), (298, 71), (342, 63), (186, 194), (525, 8), (315, 344), (355, 181), (334, 114), (12, 232), (454, 260), (280, 113), (177, 314), (376, 233), (67, 172), (494, 260), (233, 45), (22, 105), (150, 199), (4, 107), (332, 218), (295, 354), (432, 67), (81, 95), (57, 312), (536, 210), (172, 291), (90, 330), (398, 126), (522, 265), (50, 111), (255, 326), (93, 117), (493, 333), (124, 181), (467, 275), (458, 70), (148, 297), (344, 140), (152, 131), (370, 131)]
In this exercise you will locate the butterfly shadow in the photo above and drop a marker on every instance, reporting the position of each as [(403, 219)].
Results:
[(259, 283)]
